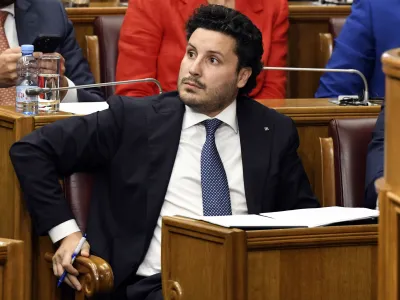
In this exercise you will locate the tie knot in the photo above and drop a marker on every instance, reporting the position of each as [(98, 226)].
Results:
[(3, 17), (211, 125)]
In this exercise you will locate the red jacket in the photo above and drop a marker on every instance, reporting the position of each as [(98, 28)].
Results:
[(153, 41)]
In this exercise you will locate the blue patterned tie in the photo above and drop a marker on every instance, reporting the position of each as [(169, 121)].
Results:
[(214, 184)]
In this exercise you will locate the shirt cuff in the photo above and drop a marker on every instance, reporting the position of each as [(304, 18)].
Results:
[(62, 230), (72, 94)]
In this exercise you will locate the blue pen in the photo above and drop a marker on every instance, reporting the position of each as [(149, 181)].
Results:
[(74, 255)]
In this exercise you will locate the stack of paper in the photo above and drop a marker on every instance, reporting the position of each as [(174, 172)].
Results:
[(83, 108), (311, 217)]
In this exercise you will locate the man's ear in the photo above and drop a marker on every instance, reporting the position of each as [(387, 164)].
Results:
[(244, 75)]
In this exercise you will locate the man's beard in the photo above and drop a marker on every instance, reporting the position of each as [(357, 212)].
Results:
[(4, 3), (216, 99)]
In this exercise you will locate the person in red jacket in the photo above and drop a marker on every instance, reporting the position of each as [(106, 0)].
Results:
[(153, 41)]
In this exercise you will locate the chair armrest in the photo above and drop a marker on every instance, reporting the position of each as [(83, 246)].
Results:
[(93, 56), (328, 172), (96, 276), (325, 48)]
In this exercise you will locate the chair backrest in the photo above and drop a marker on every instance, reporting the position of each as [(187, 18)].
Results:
[(335, 26), (107, 29), (326, 40), (350, 143), (78, 192)]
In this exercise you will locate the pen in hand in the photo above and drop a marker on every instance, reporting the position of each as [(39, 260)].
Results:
[(74, 255)]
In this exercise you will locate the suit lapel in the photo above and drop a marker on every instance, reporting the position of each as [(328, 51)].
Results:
[(26, 22), (165, 126), (256, 132)]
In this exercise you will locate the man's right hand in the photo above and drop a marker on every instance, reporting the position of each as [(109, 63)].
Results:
[(8, 66), (62, 259)]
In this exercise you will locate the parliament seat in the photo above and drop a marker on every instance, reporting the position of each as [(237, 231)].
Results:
[(326, 40), (102, 50), (343, 161)]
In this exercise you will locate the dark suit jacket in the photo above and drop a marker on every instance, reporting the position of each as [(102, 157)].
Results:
[(34, 17), (375, 160), (132, 147)]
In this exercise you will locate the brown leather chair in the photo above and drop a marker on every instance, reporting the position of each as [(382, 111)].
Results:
[(96, 274), (326, 40), (78, 192), (102, 50), (343, 161)]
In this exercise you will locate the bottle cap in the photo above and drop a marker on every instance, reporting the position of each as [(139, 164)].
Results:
[(27, 49)]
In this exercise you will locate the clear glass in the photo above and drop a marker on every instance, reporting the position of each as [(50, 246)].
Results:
[(27, 69), (49, 77)]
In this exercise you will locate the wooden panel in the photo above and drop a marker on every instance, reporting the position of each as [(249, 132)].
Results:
[(11, 268), (272, 272), (304, 264), (15, 220), (225, 273), (318, 263), (389, 186)]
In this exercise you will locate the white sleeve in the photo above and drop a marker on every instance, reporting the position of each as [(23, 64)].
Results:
[(72, 95), (64, 229)]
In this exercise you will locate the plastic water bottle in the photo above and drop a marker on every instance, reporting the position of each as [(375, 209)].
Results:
[(27, 69)]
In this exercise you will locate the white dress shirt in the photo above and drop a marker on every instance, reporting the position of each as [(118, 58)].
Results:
[(184, 195), (12, 38)]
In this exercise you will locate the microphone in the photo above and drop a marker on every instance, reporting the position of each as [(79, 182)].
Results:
[(38, 91), (352, 71)]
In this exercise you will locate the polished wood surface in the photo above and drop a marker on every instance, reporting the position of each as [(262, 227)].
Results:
[(12, 266), (307, 21), (313, 263), (95, 276), (389, 186), (328, 197)]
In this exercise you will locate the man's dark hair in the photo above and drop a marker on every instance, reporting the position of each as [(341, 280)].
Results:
[(249, 46)]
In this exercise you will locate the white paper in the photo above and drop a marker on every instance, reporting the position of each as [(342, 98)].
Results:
[(83, 108), (310, 217), (314, 217), (245, 221)]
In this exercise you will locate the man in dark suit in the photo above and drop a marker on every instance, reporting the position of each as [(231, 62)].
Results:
[(204, 150), (21, 21), (375, 160)]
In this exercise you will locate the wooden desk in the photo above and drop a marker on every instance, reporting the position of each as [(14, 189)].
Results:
[(203, 261), (307, 20), (11, 267)]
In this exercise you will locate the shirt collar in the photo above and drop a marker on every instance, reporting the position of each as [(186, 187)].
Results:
[(227, 116), (9, 8)]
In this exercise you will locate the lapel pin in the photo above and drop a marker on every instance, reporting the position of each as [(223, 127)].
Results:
[(266, 128)]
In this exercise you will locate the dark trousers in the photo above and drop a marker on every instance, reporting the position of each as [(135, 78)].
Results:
[(140, 288)]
